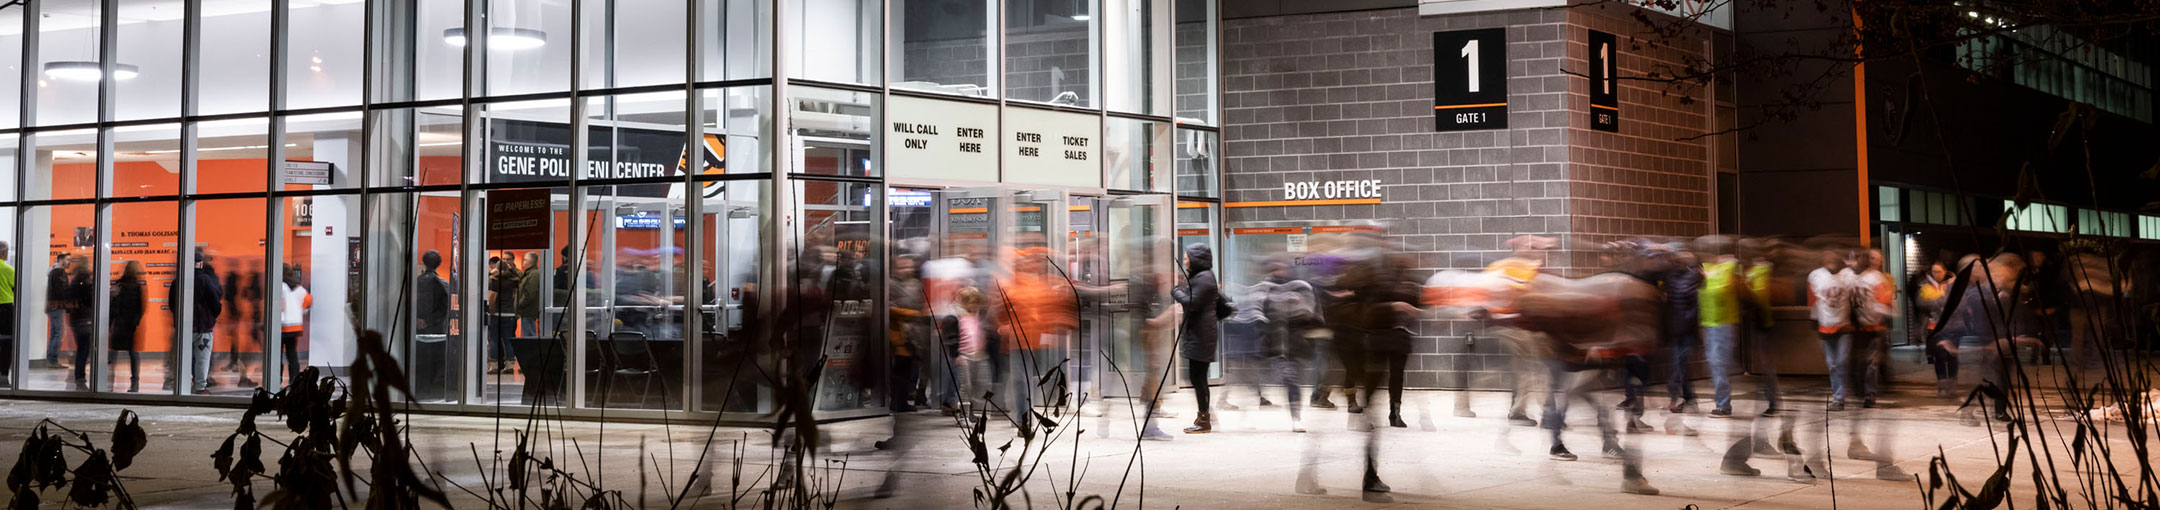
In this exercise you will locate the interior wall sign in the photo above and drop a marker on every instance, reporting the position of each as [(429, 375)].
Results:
[(1470, 79), (1604, 82)]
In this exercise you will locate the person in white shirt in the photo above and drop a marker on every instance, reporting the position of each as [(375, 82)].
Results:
[(1830, 305)]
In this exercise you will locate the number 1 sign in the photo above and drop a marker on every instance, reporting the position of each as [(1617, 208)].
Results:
[(1470, 79), (1604, 89)]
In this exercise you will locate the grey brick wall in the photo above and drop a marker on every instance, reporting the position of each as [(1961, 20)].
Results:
[(1349, 96)]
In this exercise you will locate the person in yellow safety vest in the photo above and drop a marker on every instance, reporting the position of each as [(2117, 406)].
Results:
[(1719, 316)]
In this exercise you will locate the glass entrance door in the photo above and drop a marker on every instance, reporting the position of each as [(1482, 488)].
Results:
[(1136, 255)]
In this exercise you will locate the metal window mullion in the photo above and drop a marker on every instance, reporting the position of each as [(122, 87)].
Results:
[(777, 221), (579, 139), (693, 206), (190, 80), (274, 224), (26, 98)]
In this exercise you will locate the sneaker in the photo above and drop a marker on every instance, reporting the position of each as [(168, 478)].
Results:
[(1521, 421), (1867, 404), (1677, 406), (1638, 485), (1730, 469), (1154, 434), (1559, 452), (55, 365), (1859, 451), (1893, 474), (1771, 412), (1356, 409), (1613, 451), (1322, 404), (1265, 403), (1636, 426), (1720, 413), (1227, 406), (1836, 406)]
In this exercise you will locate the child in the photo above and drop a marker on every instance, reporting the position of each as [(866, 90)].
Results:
[(975, 339)]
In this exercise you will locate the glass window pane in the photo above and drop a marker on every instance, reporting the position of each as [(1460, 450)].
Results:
[(1197, 167), (634, 136), (416, 146), (838, 39), (10, 154), (528, 141), (644, 47), (230, 235), (529, 45), (736, 37), (741, 119), (419, 52), (728, 257), (944, 46), (1137, 56), (525, 363), (323, 66), (66, 291), (146, 160), (322, 237), (842, 266), (1136, 155), (149, 40), (1050, 51), (835, 131), (66, 165), (68, 72), (1196, 69), (235, 73), (322, 151), (142, 267), (230, 156), (638, 303), (11, 70), (412, 268)]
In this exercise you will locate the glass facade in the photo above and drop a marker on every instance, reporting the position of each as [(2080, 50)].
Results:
[(626, 205)]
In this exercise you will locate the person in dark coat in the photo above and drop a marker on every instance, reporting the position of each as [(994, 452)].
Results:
[(81, 295), (127, 314), (208, 305), (1201, 298)]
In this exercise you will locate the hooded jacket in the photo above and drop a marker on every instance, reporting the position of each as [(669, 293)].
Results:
[(1201, 297)]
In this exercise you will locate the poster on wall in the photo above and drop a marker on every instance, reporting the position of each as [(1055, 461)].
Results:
[(529, 151), (518, 219), (1604, 83), (1470, 79), (320, 173)]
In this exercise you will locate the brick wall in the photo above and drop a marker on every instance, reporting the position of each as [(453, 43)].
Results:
[(1349, 95)]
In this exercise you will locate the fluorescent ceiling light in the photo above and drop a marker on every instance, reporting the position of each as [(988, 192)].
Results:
[(208, 149), (1081, 17), (501, 38), (78, 70)]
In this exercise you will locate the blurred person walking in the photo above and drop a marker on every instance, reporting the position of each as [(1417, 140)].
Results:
[(292, 319), (56, 308), (1830, 305), (1874, 306), (208, 305), (81, 297)]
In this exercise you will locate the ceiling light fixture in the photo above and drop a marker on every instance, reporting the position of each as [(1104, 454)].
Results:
[(79, 70), (501, 38)]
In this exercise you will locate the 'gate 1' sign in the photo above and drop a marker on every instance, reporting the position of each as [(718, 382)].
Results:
[(1604, 89), (1470, 79)]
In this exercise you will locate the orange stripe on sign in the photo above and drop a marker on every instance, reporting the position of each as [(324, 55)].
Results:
[(1613, 108), (1079, 208), (1191, 205), (968, 210), (969, 235), (1191, 232), (1027, 209), (1267, 230), (1279, 203), (1454, 106), (1336, 229)]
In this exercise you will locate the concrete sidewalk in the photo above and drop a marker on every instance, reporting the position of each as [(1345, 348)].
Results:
[(1250, 462)]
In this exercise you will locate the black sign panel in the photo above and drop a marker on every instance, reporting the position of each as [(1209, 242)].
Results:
[(526, 151), (1470, 79), (1604, 83)]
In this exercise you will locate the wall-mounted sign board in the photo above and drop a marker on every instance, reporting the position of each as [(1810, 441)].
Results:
[(1604, 83), (1470, 79)]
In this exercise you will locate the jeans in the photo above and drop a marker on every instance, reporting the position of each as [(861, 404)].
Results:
[(527, 326), (499, 334), (56, 323), (1021, 369), (1837, 349), (1718, 345), (1676, 383), (1874, 357), (1766, 369), (201, 364)]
